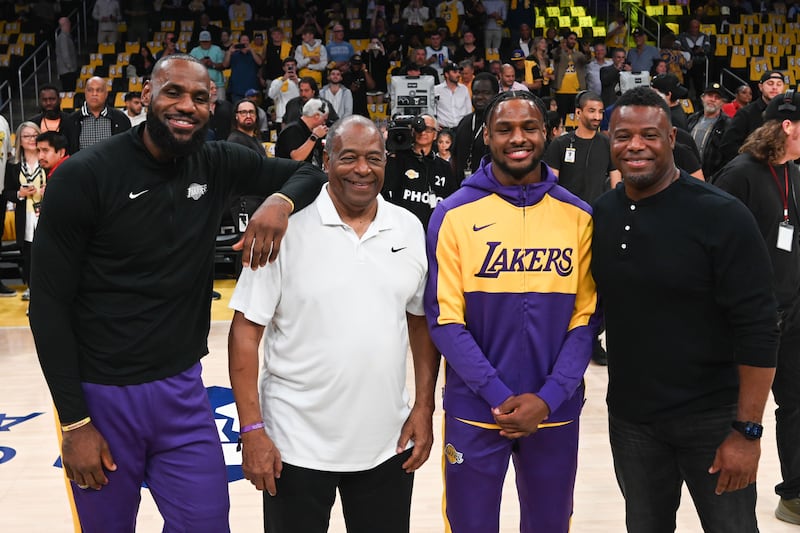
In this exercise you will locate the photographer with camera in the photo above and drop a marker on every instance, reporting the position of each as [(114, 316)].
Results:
[(415, 179), (302, 140), (284, 88), (359, 80)]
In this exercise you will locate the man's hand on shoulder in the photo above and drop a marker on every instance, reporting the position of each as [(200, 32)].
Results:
[(520, 416), (262, 239), (85, 455)]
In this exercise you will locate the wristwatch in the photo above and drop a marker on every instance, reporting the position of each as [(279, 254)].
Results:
[(750, 430), (313, 137)]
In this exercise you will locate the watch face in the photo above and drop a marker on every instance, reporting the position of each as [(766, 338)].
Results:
[(753, 430)]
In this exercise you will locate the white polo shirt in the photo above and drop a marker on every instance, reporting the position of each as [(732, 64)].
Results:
[(332, 388)]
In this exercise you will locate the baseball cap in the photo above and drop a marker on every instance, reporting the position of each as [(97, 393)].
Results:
[(772, 74), (714, 88), (517, 54), (637, 32), (668, 83), (204, 36), (783, 107), (356, 59), (449, 67), (251, 92)]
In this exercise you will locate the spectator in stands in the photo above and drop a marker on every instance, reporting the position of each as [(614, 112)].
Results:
[(66, 56), (415, 15), (262, 120), (213, 58), (360, 81), (95, 121), (338, 95), (659, 68), (707, 127), (245, 126), (219, 124), (570, 69), (244, 63), (377, 63), (311, 55), (419, 60), (599, 61), (677, 61), (339, 51), (308, 89), (5, 156), (496, 12), (415, 178), (750, 117), (284, 88), (468, 147), (107, 14), (170, 46), (520, 13), (240, 11), (257, 44), (609, 77), (744, 95), (204, 24), (278, 48), (617, 33), (672, 91), (137, 13), (699, 46), (395, 48), (134, 109), (453, 100), (451, 12), (51, 117), (25, 182), (301, 140), (641, 57), (141, 63), (526, 43), (437, 54), (508, 79), (496, 68), (225, 40), (467, 70), (470, 50)]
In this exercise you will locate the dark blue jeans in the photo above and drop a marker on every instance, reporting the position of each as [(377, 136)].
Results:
[(786, 389), (652, 461)]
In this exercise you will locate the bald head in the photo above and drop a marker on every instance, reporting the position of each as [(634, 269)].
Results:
[(346, 125), (96, 92)]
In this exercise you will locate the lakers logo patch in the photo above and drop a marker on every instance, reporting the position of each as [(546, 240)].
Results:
[(454, 457), (196, 190), (412, 174)]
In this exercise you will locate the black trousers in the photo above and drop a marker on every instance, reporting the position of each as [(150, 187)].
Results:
[(373, 500)]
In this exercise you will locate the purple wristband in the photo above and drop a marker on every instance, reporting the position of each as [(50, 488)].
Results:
[(251, 427)]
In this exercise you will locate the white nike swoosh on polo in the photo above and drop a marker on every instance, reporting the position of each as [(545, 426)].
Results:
[(134, 196)]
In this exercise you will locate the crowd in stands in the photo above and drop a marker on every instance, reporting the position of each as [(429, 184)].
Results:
[(301, 65)]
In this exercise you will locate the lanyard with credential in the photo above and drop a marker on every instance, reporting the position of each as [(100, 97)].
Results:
[(783, 190)]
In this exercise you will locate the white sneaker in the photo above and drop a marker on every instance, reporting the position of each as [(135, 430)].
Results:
[(26, 295)]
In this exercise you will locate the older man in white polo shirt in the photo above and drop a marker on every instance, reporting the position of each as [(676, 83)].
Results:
[(340, 305)]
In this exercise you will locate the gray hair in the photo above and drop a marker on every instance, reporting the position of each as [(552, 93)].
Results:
[(315, 106), (338, 128)]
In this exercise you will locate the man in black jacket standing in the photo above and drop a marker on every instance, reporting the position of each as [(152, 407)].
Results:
[(764, 178), (120, 309), (707, 128), (95, 121)]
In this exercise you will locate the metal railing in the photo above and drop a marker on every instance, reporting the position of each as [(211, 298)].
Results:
[(6, 101), (650, 25), (727, 75), (39, 59)]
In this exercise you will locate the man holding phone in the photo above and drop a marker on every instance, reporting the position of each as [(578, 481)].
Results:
[(213, 58), (244, 63), (283, 89)]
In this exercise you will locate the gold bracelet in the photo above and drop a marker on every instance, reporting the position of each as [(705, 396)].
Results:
[(284, 197), (76, 425)]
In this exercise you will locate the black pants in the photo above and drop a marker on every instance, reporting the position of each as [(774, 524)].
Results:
[(372, 500)]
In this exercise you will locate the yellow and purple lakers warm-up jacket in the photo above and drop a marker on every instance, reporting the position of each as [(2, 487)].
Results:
[(510, 300)]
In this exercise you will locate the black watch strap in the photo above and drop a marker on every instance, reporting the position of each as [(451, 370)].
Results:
[(313, 137), (750, 430)]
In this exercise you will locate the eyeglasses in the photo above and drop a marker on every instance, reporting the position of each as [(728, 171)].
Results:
[(248, 112)]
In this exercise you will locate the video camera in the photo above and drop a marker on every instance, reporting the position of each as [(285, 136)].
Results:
[(400, 134)]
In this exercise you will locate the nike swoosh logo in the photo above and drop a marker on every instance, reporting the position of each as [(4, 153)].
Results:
[(395, 250), (134, 196), (478, 228)]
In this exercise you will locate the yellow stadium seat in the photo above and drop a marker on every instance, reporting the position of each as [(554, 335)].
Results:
[(187, 25), (119, 100), (87, 71), (675, 11), (26, 38), (106, 48), (12, 27), (5, 60), (135, 84), (352, 13), (16, 49), (687, 105), (167, 25), (359, 45), (131, 47), (95, 59), (116, 71)]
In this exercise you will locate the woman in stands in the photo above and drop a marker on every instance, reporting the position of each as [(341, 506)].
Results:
[(141, 63), (25, 183)]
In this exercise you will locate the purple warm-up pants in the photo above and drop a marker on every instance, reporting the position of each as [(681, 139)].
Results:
[(162, 433), (475, 465)]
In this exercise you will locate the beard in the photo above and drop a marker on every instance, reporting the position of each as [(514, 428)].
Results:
[(163, 137), (518, 173), (51, 114)]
